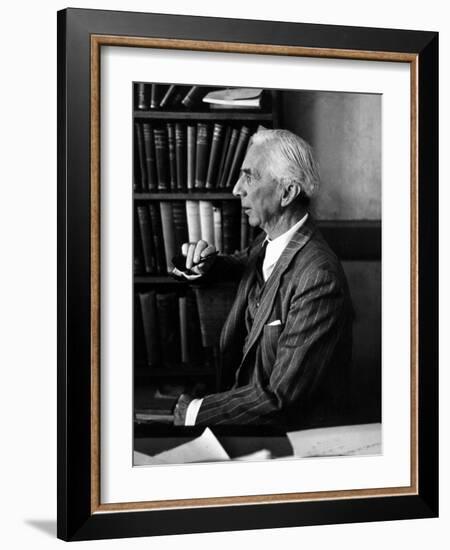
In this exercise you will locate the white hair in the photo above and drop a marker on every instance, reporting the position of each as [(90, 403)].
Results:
[(290, 160)]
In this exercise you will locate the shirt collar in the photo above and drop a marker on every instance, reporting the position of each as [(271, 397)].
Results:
[(276, 246)]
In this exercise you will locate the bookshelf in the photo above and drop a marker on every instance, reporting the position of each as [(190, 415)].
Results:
[(166, 183)]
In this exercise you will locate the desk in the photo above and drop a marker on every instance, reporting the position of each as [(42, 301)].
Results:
[(361, 439)]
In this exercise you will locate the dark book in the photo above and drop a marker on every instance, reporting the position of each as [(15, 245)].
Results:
[(138, 253), (168, 230), (193, 96), (172, 156), (166, 99), (162, 158), (202, 154), (150, 158), (223, 154), (238, 158), (214, 303), (214, 157), (244, 230), (176, 101), (180, 224), (140, 152), (142, 96), (139, 350), (169, 329), (231, 222), (181, 154), (229, 157), (193, 332), (155, 94), (158, 239), (191, 154), (145, 228), (150, 323)]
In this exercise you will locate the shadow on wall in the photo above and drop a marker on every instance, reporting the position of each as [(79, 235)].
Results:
[(364, 279), (345, 131)]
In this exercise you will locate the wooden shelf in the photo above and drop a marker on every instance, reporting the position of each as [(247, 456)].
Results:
[(256, 116), (195, 195)]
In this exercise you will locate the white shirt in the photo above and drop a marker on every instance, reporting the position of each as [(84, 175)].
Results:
[(274, 250)]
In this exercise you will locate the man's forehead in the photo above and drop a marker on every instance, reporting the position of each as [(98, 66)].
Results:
[(254, 159)]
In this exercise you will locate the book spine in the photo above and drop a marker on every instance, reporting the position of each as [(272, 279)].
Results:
[(194, 337), (191, 154), (229, 158), (154, 96), (206, 221), (183, 329), (146, 238), (142, 97), (180, 153), (217, 219), (231, 218), (167, 307), (193, 221), (202, 154), (138, 253), (226, 143), (150, 327), (167, 97), (139, 146), (150, 160), (172, 156), (162, 161), (214, 157), (180, 224), (191, 97), (158, 239), (238, 157), (139, 346), (168, 233)]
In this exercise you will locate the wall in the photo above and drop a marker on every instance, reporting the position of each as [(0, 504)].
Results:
[(344, 130)]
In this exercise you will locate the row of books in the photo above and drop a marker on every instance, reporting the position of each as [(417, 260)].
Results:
[(167, 330), (178, 156), (168, 96), (161, 227)]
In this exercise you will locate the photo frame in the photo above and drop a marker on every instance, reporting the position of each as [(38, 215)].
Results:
[(81, 513)]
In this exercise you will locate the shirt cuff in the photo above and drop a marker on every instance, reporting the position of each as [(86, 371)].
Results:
[(179, 273), (192, 411)]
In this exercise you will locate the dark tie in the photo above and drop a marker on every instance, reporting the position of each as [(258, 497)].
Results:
[(260, 261)]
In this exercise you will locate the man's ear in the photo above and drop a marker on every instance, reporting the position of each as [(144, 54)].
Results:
[(290, 190)]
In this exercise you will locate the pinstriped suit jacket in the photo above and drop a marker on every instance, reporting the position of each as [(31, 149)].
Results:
[(294, 374)]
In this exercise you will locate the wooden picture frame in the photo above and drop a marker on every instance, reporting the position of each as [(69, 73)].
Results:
[(81, 35)]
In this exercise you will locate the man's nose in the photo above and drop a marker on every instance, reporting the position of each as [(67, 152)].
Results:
[(237, 189)]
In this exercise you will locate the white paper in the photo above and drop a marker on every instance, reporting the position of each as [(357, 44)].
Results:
[(205, 448)]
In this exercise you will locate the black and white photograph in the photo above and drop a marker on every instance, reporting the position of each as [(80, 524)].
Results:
[(257, 221)]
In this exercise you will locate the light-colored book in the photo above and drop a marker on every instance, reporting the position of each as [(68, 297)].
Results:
[(217, 218), (193, 221), (206, 221)]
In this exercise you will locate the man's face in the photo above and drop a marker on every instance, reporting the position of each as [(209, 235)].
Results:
[(259, 192)]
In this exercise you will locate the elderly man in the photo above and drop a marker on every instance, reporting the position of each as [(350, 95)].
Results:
[(286, 345)]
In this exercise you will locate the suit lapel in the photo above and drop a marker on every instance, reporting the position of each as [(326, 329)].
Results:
[(298, 241)]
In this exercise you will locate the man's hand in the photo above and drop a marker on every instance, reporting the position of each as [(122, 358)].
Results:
[(199, 256), (179, 412)]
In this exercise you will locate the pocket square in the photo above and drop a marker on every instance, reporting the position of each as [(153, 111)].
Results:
[(274, 323)]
